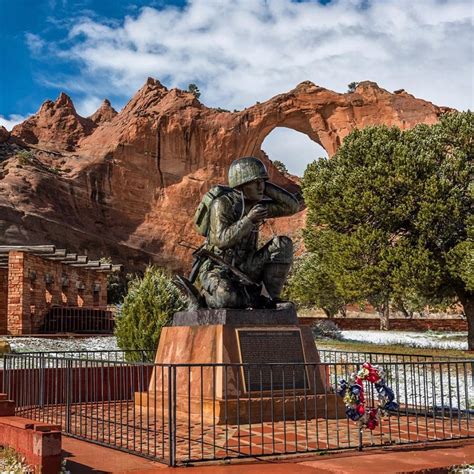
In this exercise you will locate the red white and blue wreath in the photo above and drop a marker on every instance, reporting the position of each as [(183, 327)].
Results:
[(354, 398)]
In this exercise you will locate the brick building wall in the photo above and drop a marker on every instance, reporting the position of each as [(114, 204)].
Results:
[(3, 300), (35, 284)]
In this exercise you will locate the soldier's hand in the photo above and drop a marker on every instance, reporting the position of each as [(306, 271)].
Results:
[(258, 213)]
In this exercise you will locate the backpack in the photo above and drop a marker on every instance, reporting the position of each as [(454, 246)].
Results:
[(203, 213)]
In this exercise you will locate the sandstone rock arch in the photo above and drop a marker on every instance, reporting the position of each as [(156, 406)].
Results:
[(127, 184), (294, 149)]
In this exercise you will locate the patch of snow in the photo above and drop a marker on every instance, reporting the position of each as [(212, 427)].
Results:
[(433, 340), (42, 344)]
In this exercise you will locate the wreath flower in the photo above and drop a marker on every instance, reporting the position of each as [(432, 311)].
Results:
[(352, 392)]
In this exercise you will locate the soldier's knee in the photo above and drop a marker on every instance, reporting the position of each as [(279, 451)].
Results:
[(284, 242), (282, 249), (225, 295)]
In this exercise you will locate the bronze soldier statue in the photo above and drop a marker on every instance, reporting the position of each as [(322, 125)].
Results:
[(232, 269)]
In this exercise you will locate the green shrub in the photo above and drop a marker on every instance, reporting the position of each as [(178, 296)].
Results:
[(25, 157), (13, 462), (326, 330), (280, 166), (148, 306), (194, 89)]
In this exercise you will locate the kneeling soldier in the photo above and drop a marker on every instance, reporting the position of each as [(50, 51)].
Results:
[(234, 216)]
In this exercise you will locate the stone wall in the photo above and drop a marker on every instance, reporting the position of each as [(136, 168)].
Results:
[(35, 284), (38, 443), (3, 299)]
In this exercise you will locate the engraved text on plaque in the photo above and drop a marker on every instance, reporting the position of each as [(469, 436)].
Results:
[(281, 347)]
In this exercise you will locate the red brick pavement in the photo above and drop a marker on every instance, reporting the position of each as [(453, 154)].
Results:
[(125, 426)]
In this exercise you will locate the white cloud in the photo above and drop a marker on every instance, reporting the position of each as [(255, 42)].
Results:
[(296, 150), (34, 42), (88, 105), (11, 121), (243, 51)]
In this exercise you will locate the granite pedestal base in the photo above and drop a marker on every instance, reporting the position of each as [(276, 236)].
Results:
[(219, 389)]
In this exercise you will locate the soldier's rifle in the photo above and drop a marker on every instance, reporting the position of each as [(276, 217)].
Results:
[(201, 253)]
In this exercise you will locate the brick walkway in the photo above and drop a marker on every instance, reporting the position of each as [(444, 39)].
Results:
[(125, 426)]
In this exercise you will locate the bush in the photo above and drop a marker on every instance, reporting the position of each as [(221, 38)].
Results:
[(326, 330), (148, 306), (25, 157), (194, 89), (351, 87), (280, 166)]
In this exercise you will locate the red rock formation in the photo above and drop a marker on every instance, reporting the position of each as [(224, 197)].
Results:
[(131, 185), (105, 113), (4, 134), (56, 126)]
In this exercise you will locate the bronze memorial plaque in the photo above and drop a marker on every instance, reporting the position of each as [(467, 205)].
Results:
[(278, 346)]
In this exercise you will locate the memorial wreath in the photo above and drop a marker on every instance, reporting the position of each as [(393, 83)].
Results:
[(352, 392)]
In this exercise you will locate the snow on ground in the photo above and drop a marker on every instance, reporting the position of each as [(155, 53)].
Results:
[(42, 344), (434, 340)]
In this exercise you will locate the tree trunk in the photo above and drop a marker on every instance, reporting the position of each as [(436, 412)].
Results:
[(384, 313), (406, 313), (328, 313), (467, 301)]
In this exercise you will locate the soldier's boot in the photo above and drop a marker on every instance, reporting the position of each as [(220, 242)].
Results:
[(189, 290), (274, 277)]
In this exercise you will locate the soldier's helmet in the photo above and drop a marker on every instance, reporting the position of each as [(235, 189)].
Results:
[(246, 169)]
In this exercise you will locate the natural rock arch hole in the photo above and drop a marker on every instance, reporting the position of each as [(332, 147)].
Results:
[(295, 149)]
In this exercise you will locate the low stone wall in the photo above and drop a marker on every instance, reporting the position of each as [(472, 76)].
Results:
[(396, 324), (87, 383), (39, 443)]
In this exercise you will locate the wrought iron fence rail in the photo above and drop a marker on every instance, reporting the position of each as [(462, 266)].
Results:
[(198, 412)]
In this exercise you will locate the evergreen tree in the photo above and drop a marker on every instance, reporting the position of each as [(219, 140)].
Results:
[(194, 89), (148, 306), (309, 285), (351, 87), (390, 216), (280, 166)]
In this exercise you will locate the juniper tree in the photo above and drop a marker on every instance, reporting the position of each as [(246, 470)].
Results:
[(149, 305), (280, 166), (194, 89), (390, 216)]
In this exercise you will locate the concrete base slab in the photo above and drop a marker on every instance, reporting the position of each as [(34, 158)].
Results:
[(247, 410)]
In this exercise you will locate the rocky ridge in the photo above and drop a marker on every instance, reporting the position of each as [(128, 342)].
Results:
[(127, 184)]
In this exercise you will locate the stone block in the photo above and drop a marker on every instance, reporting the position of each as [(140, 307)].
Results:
[(284, 315), (219, 343)]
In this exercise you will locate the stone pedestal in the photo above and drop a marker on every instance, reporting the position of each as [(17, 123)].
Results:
[(219, 389)]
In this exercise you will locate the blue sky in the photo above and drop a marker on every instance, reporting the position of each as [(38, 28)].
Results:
[(237, 51), (30, 76)]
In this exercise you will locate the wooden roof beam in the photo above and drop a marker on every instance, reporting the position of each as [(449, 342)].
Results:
[(89, 264), (4, 249), (69, 257), (57, 253)]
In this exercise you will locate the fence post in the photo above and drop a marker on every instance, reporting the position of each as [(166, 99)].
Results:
[(6, 373), (41, 381), (172, 414), (68, 394)]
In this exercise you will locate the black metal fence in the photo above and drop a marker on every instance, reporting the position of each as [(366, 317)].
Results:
[(182, 414), (78, 320)]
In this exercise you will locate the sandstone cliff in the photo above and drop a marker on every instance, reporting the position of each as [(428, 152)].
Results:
[(126, 184)]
